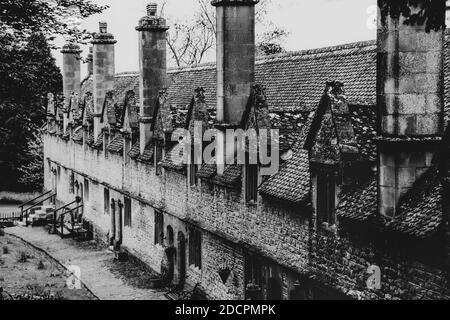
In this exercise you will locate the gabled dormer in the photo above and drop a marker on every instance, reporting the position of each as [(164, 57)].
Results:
[(130, 124), (198, 121), (256, 117), (129, 121), (333, 152), (108, 123), (161, 129)]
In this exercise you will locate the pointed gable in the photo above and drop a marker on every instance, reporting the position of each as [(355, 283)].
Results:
[(129, 115), (162, 122), (108, 111), (256, 115), (88, 110), (74, 106), (331, 137), (199, 111)]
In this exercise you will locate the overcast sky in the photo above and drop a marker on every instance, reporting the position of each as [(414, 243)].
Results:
[(311, 24)]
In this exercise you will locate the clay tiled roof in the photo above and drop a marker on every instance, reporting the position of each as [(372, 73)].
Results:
[(116, 144), (78, 135), (174, 159), (149, 151), (293, 81), (358, 203), (207, 171), (99, 144), (292, 182), (364, 124), (231, 177), (90, 139), (421, 213), (135, 151)]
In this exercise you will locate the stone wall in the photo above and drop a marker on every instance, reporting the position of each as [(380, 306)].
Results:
[(282, 235)]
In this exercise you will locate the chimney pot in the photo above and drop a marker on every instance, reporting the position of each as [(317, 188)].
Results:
[(103, 27), (151, 9)]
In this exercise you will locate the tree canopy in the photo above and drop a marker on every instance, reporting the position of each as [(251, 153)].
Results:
[(192, 40), (27, 73), (19, 19)]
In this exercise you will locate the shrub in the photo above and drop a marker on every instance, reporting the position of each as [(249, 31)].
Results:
[(2, 232), (23, 257), (41, 265), (5, 249)]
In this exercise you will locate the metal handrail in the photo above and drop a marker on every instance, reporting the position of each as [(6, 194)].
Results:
[(61, 217), (32, 200), (77, 199), (32, 207)]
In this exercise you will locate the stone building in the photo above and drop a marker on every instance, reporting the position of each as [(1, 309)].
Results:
[(359, 206)]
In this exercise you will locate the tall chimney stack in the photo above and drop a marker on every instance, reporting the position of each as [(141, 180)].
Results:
[(235, 66), (71, 76), (104, 72), (410, 97), (152, 68)]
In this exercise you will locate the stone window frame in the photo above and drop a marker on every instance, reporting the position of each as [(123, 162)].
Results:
[(195, 248), (251, 183), (326, 198), (127, 221), (193, 169), (158, 156), (72, 183), (86, 189), (106, 201), (159, 228)]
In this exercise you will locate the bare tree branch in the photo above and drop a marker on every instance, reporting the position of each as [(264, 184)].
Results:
[(190, 43)]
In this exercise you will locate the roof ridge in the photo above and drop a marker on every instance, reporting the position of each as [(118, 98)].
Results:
[(328, 49), (365, 44), (127, 73), (273, 57)]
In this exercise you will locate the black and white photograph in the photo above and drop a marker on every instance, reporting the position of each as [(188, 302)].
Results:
[(247, 152)]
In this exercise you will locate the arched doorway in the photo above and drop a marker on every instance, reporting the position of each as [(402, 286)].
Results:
[(112, 231), (170, 239), (181, 261)]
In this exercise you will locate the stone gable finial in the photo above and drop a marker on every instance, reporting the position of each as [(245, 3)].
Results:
[(334, 87), (163, 94), (200, 93)]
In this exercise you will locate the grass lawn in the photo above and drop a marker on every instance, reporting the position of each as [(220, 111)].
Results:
[(28, 274)]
